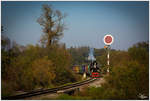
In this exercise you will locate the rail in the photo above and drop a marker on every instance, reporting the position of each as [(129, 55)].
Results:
[(52, 90)]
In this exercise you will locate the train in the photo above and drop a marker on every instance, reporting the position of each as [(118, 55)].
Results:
[(81, 69), (88, 69)]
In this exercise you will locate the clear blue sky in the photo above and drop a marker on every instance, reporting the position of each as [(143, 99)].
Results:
[(87, 22)]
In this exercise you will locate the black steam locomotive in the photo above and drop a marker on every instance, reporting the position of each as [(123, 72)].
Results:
[(94, 69)]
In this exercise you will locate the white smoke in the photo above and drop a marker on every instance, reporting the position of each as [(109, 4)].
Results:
[(91, 55)]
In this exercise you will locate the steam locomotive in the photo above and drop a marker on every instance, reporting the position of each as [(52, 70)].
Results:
[(95, 72), (91, 69)]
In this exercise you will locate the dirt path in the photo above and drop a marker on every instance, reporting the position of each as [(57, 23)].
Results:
[(97, 83)]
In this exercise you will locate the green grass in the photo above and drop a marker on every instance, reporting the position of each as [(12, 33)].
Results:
[(68, 97)]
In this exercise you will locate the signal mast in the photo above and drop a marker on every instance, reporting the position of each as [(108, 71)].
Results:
[(108, 40)]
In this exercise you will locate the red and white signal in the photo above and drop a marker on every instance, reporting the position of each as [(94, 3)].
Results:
[(108, 39)]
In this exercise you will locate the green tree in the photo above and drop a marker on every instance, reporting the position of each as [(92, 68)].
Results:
[(140, 52), (53, 25), (79, 55)]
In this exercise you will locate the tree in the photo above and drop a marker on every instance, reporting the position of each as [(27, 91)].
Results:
[(5, 43), (53, 25), (43, 71), (140, 52), (79, 55)]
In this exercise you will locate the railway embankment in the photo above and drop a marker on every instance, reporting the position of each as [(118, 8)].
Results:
[(70, 91)]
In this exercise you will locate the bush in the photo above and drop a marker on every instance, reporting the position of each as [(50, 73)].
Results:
[(7, 88), (43, 72)]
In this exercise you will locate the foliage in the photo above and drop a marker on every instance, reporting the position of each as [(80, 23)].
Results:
[(129, 74), (139, 52), (79, 55), (7, 89), (43, 71), (128, 78), (36, 67), (53, 25), (29, 67)]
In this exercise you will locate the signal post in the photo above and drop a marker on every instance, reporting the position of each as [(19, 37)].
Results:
[(108, 40)]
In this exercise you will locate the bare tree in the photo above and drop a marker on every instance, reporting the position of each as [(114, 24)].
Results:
[(52, 22)]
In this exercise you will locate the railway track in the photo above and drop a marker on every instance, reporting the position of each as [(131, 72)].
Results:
[(52, 90)]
